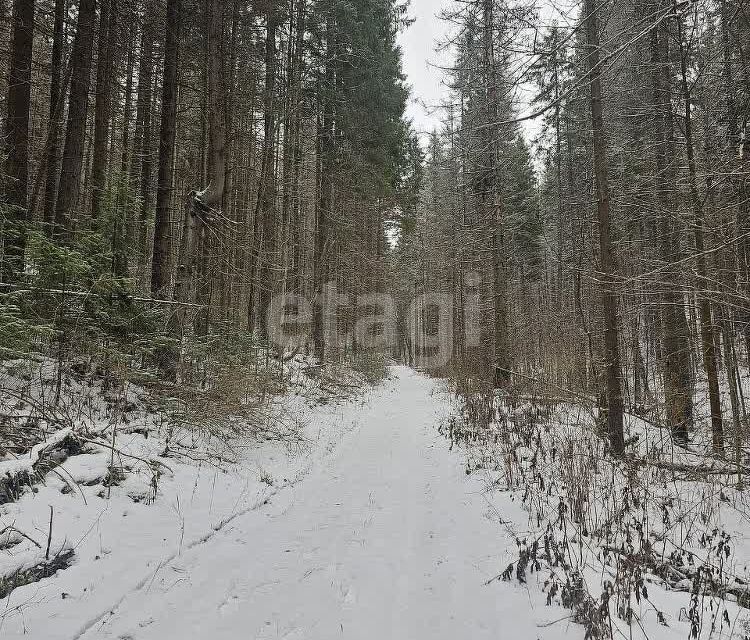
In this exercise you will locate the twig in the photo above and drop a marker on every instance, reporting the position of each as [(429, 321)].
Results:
[(127, 455), (543, 625), (49, 535), (57, 473), (20, 533)]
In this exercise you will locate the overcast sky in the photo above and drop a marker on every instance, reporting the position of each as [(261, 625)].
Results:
[(419, 44)]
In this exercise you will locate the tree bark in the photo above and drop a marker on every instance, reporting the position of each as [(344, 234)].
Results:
[(142, 134), (217, 134), (678, 384), (492, 205), (146, 99), (124, 197), (127, 33), (287, 171), (201, 206), (212, 197), (55, 96), (17, 145), (297, 222), (75, 137), (327, 151), (606, 249), (708, 347), (160, 266), (265, 235), (102, 106)]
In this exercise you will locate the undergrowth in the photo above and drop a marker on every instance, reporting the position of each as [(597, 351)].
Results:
[(605, 534)]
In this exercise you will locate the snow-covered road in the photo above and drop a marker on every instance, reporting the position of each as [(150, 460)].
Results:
[(385, 538)]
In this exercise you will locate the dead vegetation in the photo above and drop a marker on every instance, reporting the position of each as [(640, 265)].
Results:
[(605, 533), (225, 405), (12, 485), (36, 573)]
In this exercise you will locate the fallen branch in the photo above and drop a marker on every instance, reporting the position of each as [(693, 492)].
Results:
[(699, 470), (682, 578), (127, 455)]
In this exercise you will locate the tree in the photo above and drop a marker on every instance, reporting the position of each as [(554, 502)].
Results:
[(264, 232), (678, 387), (17, 136), (704, 303), (160, 262), (327, 144), (75, 136), (203, 205), (606, 248), (491, 204), (56, 98), (141, 164), (107, 40)]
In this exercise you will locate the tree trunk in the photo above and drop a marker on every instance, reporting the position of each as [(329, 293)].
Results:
[(559, 185), (217, 133), (492, 206), (17, 142), (327, 146), (56, 95), (265, 235), (738, 185), (141, 137), (75, 137), (160, 267), (216, 162), (146, 156), (708, 347), (297, 222), (124, 197), (127, 34), (201, 207), (229, 201), (102, 115), (606, 248), (287, 171), (678, 385)]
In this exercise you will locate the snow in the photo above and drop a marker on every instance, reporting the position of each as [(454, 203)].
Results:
[(374, 531), (26, 464), (548, 458), (378, 519)]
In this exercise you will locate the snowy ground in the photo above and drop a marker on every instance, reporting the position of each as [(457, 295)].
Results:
[(374, 531)]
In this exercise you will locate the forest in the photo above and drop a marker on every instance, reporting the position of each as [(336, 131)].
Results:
[(181, 163), (611, 259), (210, 206), (197, 158)]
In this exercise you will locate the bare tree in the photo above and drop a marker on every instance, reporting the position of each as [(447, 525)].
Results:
[(708, 347)]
